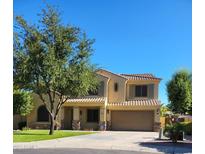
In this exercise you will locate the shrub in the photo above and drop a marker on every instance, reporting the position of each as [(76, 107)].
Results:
[(26, 128), (187, 127), (22, 102), (21, 125), (174, 131)]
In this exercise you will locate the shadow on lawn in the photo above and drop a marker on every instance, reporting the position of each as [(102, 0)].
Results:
[(168, 146)]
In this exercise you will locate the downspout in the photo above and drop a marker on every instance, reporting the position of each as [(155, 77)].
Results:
[(106, 103), (125, 90)]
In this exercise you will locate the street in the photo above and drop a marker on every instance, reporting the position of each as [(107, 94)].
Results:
[(74, 151)]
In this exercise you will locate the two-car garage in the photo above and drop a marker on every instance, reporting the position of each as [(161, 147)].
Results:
[(132, 120)]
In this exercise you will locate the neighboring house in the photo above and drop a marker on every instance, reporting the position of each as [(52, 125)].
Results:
[(122, 102)]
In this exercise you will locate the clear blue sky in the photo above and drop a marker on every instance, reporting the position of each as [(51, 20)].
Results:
[(132, 36)]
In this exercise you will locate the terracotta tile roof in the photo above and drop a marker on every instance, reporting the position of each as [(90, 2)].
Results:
[(139, 102), (144, 76), (99, 71), (87, 100), (140, 77)]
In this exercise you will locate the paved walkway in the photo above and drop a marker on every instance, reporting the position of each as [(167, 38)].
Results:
[(111, 140)]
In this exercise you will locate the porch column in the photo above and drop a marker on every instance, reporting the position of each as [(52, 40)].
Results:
[(61, 118), (102, 123), (108, 119), (76, 118), (157, 119)]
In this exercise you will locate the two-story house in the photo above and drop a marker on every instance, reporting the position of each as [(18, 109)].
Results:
[(122, 102)]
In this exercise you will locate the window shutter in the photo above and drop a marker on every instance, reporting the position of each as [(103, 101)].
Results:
[(151, 91), (132, 91), (101, 89)]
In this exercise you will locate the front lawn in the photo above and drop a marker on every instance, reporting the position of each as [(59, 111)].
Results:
[(37, 135)]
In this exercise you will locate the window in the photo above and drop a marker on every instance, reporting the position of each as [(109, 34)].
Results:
[(101, 88), (92, 115), (116, 87), (141, 91), (98, 91), (42, 114), (93, 92)]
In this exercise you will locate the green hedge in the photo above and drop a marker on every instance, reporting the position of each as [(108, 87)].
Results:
[(187, 127), (181, 126), (21, 125)]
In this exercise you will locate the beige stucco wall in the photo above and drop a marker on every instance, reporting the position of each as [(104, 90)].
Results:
[(113, 96), (32, 117), (123, 92)]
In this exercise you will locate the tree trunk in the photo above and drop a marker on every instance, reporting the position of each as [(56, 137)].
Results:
[(55, 125), (52, 125)]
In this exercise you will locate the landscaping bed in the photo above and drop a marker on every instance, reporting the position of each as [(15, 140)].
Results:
[(177, 130)]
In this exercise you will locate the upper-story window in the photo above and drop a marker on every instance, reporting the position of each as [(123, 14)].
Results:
[(101, 88), (93, 92), (115, 86), (141, 91), (98, 91)]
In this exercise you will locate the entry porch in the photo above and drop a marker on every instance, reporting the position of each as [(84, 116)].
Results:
[(84, 114)]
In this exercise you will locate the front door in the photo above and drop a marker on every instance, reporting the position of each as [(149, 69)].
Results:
[(68, 117)]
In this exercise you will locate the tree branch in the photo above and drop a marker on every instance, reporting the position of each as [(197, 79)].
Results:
[(61, 102), (51, 100), (44, 102)]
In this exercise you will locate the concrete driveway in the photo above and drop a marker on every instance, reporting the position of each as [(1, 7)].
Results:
[(109, 140)]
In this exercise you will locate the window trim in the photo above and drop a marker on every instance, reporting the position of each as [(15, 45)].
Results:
[(93, 93)]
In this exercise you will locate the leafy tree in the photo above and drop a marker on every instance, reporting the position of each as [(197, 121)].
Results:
[(22, 102), (52, 60), (179, 90)]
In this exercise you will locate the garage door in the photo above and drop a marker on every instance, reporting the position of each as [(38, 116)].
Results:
[(132, 120)]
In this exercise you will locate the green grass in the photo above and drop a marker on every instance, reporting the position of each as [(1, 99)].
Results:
[(38, 135)]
